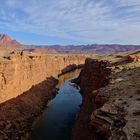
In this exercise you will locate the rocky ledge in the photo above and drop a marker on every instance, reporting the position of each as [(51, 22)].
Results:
[(111, 99)]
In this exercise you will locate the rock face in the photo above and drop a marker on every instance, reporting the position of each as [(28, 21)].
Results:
[(18, 114), (25, 88), (70, 68), (93, 76), (133, 58), (22, 70), (111, 100)]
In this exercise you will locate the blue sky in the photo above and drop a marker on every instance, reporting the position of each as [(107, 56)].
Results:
[(71, 21)]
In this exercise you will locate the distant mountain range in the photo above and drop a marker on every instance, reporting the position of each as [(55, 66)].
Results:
[(97, 48), (7, 43)]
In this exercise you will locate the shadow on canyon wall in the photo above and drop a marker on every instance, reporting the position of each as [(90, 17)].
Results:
[(70, 68), (121, 96), (18, 114), (93, 122)]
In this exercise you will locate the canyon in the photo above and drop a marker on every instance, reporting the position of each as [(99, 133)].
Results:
[(20, 71), (26, 85), (109, 85), (17, 115)]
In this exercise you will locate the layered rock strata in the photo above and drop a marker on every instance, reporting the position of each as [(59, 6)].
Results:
[(111, 100), (18, 114), (25, 88), (21, 70), (93, 76)]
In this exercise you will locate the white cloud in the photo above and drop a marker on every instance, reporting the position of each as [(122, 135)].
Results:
[(111, 21)]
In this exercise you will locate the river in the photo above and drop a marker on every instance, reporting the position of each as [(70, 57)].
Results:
[(58, 119)]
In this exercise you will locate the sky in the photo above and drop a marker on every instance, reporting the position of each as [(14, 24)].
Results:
[(71, 21)]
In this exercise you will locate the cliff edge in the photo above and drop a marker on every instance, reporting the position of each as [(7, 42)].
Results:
[(20, 70), (111, 99)]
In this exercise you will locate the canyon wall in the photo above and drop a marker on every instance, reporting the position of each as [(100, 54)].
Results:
[(93, 76), (20, 71), (18, 114), (111, 99)]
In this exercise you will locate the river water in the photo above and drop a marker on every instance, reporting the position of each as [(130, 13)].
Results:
[(57, 120)]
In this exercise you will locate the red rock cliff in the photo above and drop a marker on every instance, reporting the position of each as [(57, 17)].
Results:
[(20, 71), (93, 76), (111, 101)]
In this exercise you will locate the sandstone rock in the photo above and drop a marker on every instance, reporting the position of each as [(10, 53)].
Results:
[(24, 70), (18, 114), (133, 58), (110, 109), (94, 75)]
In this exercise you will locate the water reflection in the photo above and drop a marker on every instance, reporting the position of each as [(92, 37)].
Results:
[(68, 76), (57, 120)]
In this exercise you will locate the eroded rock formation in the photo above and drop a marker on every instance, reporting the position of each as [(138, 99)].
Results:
[(133, 58), (18, 114), (110, 109), (25, 88), (21, 70), (93, 76)]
